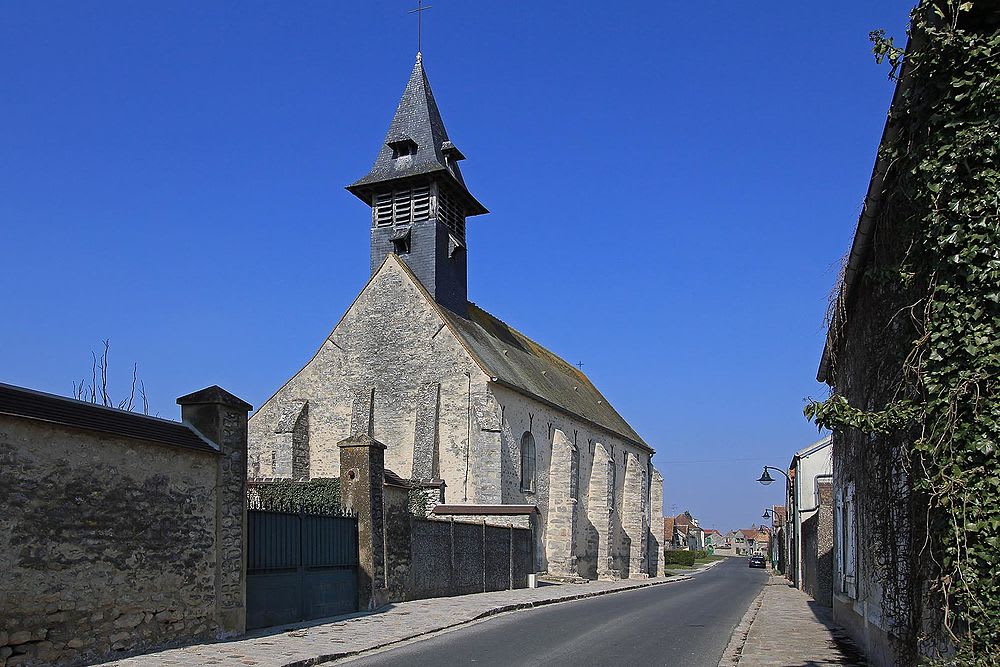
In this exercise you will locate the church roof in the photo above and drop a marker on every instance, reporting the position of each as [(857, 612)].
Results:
[(417, 132), (514, 360)]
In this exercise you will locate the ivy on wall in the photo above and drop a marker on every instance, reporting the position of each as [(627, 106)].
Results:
[(320, 495), (937, 406)]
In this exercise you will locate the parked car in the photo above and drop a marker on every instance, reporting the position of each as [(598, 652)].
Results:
[(757, 561)]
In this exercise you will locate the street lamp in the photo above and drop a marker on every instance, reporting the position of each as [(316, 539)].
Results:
[(766, 479), (767, 513)]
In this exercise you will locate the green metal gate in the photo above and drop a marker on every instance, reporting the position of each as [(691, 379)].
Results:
[(301, 564)]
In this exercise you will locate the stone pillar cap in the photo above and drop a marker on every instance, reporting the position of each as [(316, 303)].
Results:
[(214, 395), (360, 440)]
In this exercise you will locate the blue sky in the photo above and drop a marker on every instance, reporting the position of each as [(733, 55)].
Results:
[(671, 186)]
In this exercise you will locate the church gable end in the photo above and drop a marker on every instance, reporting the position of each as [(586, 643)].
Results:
[(392, 369)]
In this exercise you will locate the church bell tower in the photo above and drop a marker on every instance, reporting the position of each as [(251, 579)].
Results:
[(418, 197)]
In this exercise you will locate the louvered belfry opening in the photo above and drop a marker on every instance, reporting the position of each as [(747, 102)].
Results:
[(415, 202), (451, 214)]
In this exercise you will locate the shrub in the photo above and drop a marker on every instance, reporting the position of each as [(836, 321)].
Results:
[(672, 557)]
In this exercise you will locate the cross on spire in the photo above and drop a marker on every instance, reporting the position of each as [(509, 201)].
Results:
[(419, 12)]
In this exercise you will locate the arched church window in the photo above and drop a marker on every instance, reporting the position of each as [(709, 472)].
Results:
[(528, 462)]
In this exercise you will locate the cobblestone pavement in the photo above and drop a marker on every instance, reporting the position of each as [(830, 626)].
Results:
[(791, 629), (301, 645)]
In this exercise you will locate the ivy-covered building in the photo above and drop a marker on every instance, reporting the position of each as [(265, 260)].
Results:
[(912, 358)]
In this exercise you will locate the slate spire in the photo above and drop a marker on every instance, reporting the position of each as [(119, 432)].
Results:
[(416, 144), (418, 197)]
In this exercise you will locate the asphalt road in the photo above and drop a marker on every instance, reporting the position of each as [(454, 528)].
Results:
[(684, 624)]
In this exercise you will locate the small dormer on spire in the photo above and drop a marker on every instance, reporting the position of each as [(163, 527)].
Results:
[(418, 196)]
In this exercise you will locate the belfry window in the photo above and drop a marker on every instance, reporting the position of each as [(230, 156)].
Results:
[(528, 462), (401, 205), (451, 214)]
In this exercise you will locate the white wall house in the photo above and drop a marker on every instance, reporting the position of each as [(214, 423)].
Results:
[(808, 468)]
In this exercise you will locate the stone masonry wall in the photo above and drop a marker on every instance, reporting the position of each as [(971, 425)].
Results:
[(600, 520), (634, 516), (594, 514), (418, 387), (107, 545), (817, 548), (458, 558), (655, 520)]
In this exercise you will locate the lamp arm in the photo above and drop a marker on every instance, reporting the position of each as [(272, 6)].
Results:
[(779, 470)]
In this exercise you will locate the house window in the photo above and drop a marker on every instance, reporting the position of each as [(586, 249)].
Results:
[(528, 462)]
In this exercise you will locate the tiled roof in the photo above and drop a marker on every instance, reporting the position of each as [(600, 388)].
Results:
[(30, 404), (518, 362), (392, 479), (668, 527)]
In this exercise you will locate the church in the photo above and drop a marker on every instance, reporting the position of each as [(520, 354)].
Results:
[(455, 394)]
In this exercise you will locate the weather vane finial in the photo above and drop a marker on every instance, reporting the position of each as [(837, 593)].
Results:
[(419, 12)]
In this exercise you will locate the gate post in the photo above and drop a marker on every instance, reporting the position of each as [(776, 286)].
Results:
[(362, 463), (222, 418)]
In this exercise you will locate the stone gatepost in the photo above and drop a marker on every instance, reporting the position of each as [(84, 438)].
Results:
[(560, 520), (656, 544), (222, 418), (362, 466), (600, 511), (633, 516)]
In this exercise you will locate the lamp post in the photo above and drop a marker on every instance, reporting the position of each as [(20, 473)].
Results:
[(767, 480)]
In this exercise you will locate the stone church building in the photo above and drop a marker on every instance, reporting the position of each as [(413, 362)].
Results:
[(453, 392)]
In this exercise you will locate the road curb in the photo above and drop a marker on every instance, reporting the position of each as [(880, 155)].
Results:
[(500, 609), (731, 656), (569, 598)]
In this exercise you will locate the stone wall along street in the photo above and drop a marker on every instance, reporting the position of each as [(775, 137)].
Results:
[(111, 543)]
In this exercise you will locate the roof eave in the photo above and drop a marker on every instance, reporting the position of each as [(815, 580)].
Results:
[(866, 223), (364, 188)]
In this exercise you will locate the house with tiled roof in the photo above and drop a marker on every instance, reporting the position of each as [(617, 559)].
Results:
[(683, 532), (457, 395)]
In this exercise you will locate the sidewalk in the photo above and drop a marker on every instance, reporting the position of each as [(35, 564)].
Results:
[(301, 645), (791, 629)]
